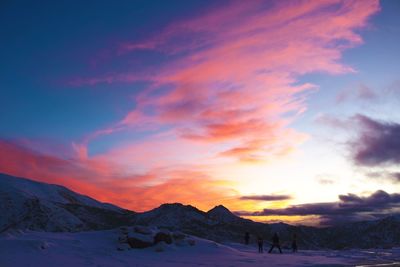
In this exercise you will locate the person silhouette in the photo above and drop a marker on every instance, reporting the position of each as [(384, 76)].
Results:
[(275, 243), (246, 238), (260, 243), (294, 243)]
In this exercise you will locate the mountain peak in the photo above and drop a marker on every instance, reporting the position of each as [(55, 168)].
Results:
[(171, 205), (220, 209), (222, 214), (176, 206)]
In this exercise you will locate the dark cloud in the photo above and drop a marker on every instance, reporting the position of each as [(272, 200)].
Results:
[(350, 207), (266, 197), (378, 142), (328, 220)]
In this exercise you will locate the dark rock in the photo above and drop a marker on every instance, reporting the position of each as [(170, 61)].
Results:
[(140, 241), (162, 236)]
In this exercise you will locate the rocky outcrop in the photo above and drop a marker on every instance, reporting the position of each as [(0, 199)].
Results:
[(163, 236), (137, 240), (140, 237)]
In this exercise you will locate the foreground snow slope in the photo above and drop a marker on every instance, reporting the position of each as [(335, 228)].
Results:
[(98, 248)]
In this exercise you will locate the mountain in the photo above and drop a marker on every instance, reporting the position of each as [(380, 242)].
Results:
[(218, 224), (174, 215), (221, 225), (223, 215), (26, 204), (382, 233)]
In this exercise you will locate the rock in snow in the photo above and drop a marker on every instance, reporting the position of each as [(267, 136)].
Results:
[(143, 237), (137, 240)]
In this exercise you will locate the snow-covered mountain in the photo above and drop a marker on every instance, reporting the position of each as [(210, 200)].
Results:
[(26, 204), (218, 224), (221, 225), (383, 233), (174, 215)]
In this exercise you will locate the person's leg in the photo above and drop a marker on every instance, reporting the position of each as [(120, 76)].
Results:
[(279, 247), (272, 247)]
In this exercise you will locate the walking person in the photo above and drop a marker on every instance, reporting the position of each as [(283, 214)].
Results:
[(246, 238), (275, 243), (260, 243), (294, 243)]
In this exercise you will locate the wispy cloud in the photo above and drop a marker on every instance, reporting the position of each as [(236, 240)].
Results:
[(233, 77), (360, 92), (391, 176), (266, 197)]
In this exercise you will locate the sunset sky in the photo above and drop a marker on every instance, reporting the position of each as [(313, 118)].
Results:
[(279, 110)]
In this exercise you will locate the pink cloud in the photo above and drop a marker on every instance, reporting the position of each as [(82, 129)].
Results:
[(236, 80)]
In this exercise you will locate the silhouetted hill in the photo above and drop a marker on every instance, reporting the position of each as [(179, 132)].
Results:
[(223, 215), (26, 204), (383, 233)]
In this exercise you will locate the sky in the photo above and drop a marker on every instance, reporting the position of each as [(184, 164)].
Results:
[(279, 110)]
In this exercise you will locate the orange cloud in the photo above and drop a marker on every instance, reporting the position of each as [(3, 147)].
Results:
[(138, 192)]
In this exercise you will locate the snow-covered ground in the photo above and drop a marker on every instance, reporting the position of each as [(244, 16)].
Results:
[(99, 248)]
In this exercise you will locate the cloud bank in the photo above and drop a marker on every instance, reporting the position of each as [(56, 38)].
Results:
[(349, 207)]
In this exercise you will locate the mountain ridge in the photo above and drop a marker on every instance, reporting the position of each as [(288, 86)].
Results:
[(31, 205), (27, 204)]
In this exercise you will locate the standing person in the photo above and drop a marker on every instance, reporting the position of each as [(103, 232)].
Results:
[(246, 238), (275, 243), (260, 242), (294, 243)]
